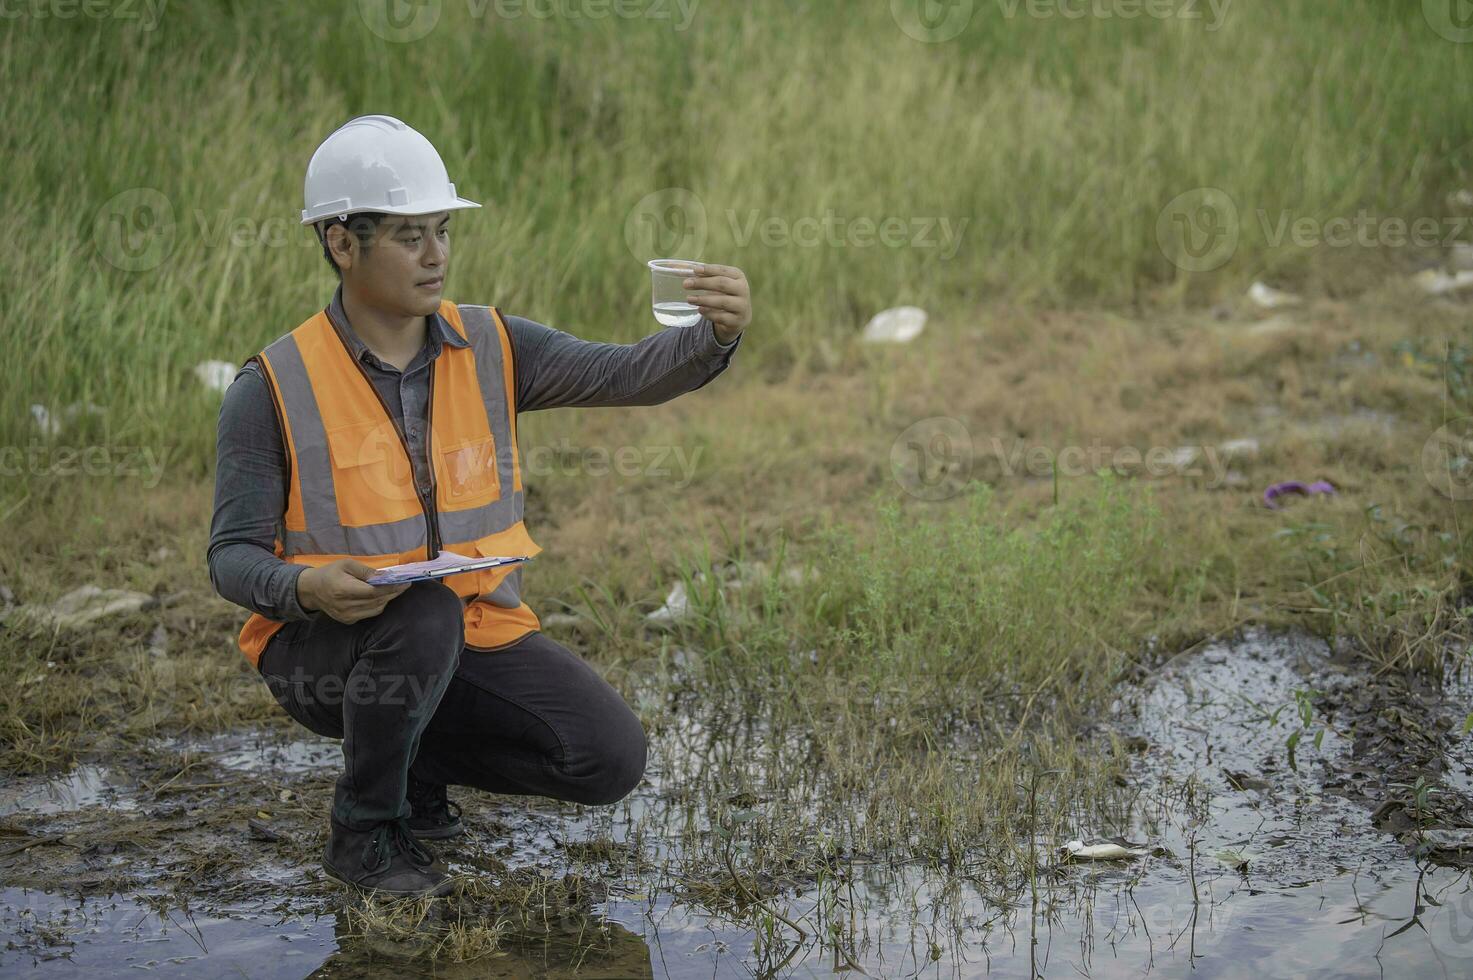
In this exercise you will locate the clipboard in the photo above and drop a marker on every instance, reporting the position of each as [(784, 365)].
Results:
[(443, 564)]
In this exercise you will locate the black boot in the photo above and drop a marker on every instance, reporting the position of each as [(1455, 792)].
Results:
[(385, 860), (435, 817)]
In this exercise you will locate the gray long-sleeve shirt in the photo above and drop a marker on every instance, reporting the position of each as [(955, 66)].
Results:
[(552, 369)]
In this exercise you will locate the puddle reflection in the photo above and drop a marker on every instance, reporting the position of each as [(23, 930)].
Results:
[(1257, 877)]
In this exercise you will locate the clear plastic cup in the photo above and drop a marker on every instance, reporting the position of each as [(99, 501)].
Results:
[(668, 295)]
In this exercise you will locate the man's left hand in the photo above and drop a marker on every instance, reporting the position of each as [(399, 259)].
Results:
[(721, 293)]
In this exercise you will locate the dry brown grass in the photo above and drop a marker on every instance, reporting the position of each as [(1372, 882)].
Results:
[(1329, 394)]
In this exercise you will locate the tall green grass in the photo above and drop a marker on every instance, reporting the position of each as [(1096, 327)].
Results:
[(905, 681), (1051, 144), (966, 609)]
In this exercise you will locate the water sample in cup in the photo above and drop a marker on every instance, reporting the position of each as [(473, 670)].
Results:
[(667, 294)]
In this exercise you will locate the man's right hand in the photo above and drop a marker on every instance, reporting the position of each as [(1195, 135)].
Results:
[(341, 590)]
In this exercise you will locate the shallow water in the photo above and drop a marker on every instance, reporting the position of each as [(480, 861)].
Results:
[(1260, 873), (85, 786), (1111, 925), (254, 753)]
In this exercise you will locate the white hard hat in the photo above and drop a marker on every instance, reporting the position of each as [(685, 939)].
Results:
[(377, 163)]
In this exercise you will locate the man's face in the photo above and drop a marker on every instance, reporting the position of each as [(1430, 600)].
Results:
[(403, 268)]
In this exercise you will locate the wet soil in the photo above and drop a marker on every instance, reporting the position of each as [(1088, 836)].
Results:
[(198, 856)]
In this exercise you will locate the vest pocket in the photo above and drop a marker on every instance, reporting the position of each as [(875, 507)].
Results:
[(504, 544), (372, 480), (468, 472)]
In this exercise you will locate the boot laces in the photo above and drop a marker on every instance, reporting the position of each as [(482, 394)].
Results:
[(394, 837)]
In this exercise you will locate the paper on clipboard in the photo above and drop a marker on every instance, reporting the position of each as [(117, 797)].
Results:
[(443, 564)]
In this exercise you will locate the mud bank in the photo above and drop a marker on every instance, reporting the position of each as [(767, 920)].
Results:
[(198, 857)]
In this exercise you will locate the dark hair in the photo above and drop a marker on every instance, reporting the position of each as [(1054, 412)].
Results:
[(363, 225)]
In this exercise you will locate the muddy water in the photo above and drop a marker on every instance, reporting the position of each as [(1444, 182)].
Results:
[(1259, 868)]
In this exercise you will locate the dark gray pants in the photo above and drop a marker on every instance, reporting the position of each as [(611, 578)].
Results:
[(402, 691)]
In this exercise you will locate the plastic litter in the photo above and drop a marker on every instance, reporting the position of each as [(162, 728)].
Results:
[(676, 607), (1435, 282), (1233, 448), (1278, 490), (732, 576), (158, 641), (1448, 840), (1115, 849), (44, 422), (899, 325), (1266, 297), (50, 423), (216, 375), (82, 606)]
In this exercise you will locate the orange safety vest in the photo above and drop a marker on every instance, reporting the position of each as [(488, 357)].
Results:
[(352, 491)]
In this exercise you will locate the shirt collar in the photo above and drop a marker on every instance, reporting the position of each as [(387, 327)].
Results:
[(440, 331)]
